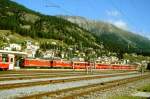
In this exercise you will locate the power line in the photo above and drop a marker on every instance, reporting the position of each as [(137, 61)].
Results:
[(54, 5)]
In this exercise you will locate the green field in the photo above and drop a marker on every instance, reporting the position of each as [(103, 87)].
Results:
[(145, 88), (127, 97)]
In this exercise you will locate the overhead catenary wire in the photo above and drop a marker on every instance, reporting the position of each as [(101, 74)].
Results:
[(58, 6)]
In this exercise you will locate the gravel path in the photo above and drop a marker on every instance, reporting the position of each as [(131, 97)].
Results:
[(123, 90), (14, 93), (57, 78)]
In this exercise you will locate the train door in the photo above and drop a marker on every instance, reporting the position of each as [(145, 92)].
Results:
[(11, 61)]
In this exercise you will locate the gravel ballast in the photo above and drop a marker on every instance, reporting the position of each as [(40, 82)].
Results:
[(123, 90)]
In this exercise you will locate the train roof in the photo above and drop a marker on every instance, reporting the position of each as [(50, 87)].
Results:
[(13, 52)]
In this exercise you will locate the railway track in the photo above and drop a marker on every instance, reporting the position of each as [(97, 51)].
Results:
[(34, 82), (32, 73), (64, 90), (73, 93), (24, 77), (41, 71), (42, 75), (51, 73)]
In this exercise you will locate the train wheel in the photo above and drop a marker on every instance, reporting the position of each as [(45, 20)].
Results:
[(3, 69)]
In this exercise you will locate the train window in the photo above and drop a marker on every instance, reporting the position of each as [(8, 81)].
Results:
[(11, 60), (76, 64), (4, 58)]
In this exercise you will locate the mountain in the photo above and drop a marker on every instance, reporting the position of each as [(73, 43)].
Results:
[(42, 28), (113, 38), (18, 24)]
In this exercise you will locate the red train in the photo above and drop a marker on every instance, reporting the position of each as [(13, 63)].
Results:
[(8, 61), (5, 62), (73, 64), (4, 66), (35, 63)]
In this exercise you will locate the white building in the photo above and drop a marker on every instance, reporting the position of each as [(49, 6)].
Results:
[(31, 49), (16, 47), (7, 48), (48, 54)]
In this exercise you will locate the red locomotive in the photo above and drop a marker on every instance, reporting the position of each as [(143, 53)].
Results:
[(35, 63), (4, 62), (8, 59)]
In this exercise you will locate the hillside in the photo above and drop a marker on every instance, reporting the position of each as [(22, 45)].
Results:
[(114, 39), (41, 28)]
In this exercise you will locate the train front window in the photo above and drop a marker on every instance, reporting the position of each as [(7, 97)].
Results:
[(4, 58)]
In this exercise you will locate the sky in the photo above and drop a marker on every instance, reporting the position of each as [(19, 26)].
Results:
[(131, 15)]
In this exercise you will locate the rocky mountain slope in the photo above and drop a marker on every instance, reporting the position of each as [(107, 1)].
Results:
[(113, 38)]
